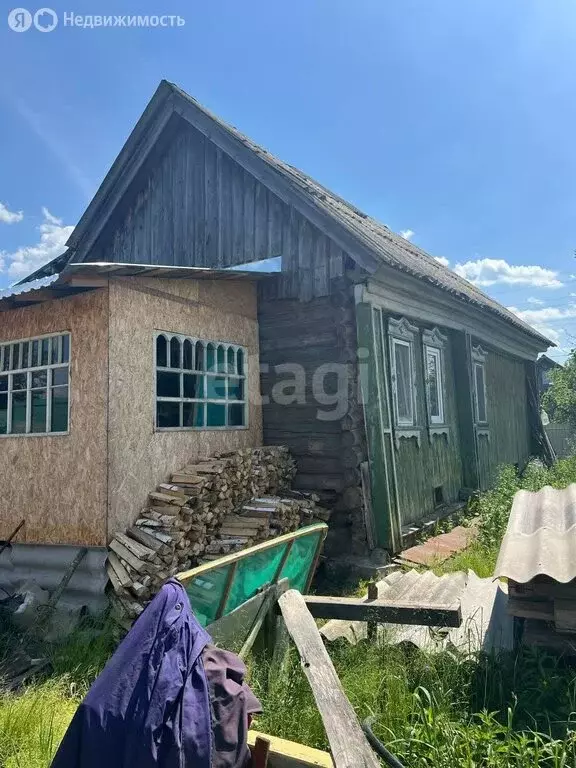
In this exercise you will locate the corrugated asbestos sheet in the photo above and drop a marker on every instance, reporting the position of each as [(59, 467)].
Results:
[(541, 536)]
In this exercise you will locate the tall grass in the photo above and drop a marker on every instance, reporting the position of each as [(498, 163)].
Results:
[(33, 721), (440, 710)]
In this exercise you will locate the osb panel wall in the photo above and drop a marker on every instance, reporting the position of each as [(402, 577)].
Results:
[(140, 458), (58, 484)]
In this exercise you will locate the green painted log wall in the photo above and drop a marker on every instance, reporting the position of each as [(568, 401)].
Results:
[(508, 423), (419, 469)]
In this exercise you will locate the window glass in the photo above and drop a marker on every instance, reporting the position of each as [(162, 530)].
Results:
[(216, 415), (480, 393), (194, 414), (216, 387), (187, 355), (167, 384), (434, 385), (161, 352), (214, 396), (59, 409), (18, 412), (193, 386), (174, 352), (3, 413), (168, 414), (403, 382), (38, 417), (34, 385)]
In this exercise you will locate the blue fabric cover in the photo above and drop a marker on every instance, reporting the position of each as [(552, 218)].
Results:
[(150, 706)]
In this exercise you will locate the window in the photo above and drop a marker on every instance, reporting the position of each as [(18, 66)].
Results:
[(480, 387), (199, 384), (34, 389), (479, 368), (434, 384), (402, 380)]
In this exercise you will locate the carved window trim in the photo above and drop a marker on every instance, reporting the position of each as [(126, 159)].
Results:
[(479, 356), (403, 334)]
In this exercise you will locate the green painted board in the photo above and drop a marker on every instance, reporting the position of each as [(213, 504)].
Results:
[(223, 586)]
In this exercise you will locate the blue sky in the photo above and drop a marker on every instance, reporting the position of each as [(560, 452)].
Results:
[(452, 122)]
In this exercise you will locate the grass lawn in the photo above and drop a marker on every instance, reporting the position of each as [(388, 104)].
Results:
[(442, 710)]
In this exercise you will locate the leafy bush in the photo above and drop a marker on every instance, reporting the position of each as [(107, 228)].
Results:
[(493, 507)]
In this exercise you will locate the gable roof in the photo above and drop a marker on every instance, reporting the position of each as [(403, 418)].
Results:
[(369, 242)]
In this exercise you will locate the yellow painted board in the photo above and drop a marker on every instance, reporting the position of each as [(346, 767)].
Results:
[(290, 754)]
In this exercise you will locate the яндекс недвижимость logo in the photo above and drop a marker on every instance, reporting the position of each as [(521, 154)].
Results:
[(21, 20)]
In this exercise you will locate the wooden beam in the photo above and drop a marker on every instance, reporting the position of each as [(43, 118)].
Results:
[(349, 746), (291, 754), (383, 611)]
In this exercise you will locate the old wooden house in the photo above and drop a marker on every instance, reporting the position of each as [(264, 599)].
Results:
[(399, 386)]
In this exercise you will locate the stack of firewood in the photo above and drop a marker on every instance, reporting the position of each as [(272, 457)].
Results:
[(208, 509)]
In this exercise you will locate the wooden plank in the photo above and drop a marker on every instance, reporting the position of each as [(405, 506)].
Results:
[(530, 609), (290, 754), (383, 611), (349, 746)]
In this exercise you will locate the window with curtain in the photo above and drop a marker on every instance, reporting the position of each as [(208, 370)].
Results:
[(200, 384), (34, 385), (402, 379), (434, 385)]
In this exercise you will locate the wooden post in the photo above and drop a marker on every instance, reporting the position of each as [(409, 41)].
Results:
[(372, 627), (348, 744)]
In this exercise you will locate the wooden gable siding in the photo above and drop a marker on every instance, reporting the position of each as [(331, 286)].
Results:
[(507, 439), (192, 205)]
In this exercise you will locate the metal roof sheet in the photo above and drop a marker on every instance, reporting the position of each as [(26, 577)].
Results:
[(33, 285), (116, 269), (541, 536)]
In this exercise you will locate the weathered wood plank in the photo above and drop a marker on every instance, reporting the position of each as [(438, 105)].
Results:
[(349, 746), (290, 754), (383, 611)]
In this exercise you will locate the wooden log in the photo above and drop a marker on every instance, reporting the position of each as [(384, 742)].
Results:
[(121, 573), (383, 611), (349, 746), (139, 565), (148, 540), (137, 549)]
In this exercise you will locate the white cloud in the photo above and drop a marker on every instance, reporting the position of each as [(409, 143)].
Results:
[(534, 300), (407, 234), (442, 260), (540, 319), (10, 217), (485, 272), (53, 237)]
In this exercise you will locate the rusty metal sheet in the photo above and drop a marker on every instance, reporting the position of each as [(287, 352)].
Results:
[(541, 536)]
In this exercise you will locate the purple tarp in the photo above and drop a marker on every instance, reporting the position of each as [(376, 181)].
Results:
[(150, 706)]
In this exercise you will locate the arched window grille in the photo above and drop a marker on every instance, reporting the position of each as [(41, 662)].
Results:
[(199, 384)]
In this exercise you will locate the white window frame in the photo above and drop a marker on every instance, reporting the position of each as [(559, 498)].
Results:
[(435, 352), (168, 335), (479, 361), (5, 350)]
